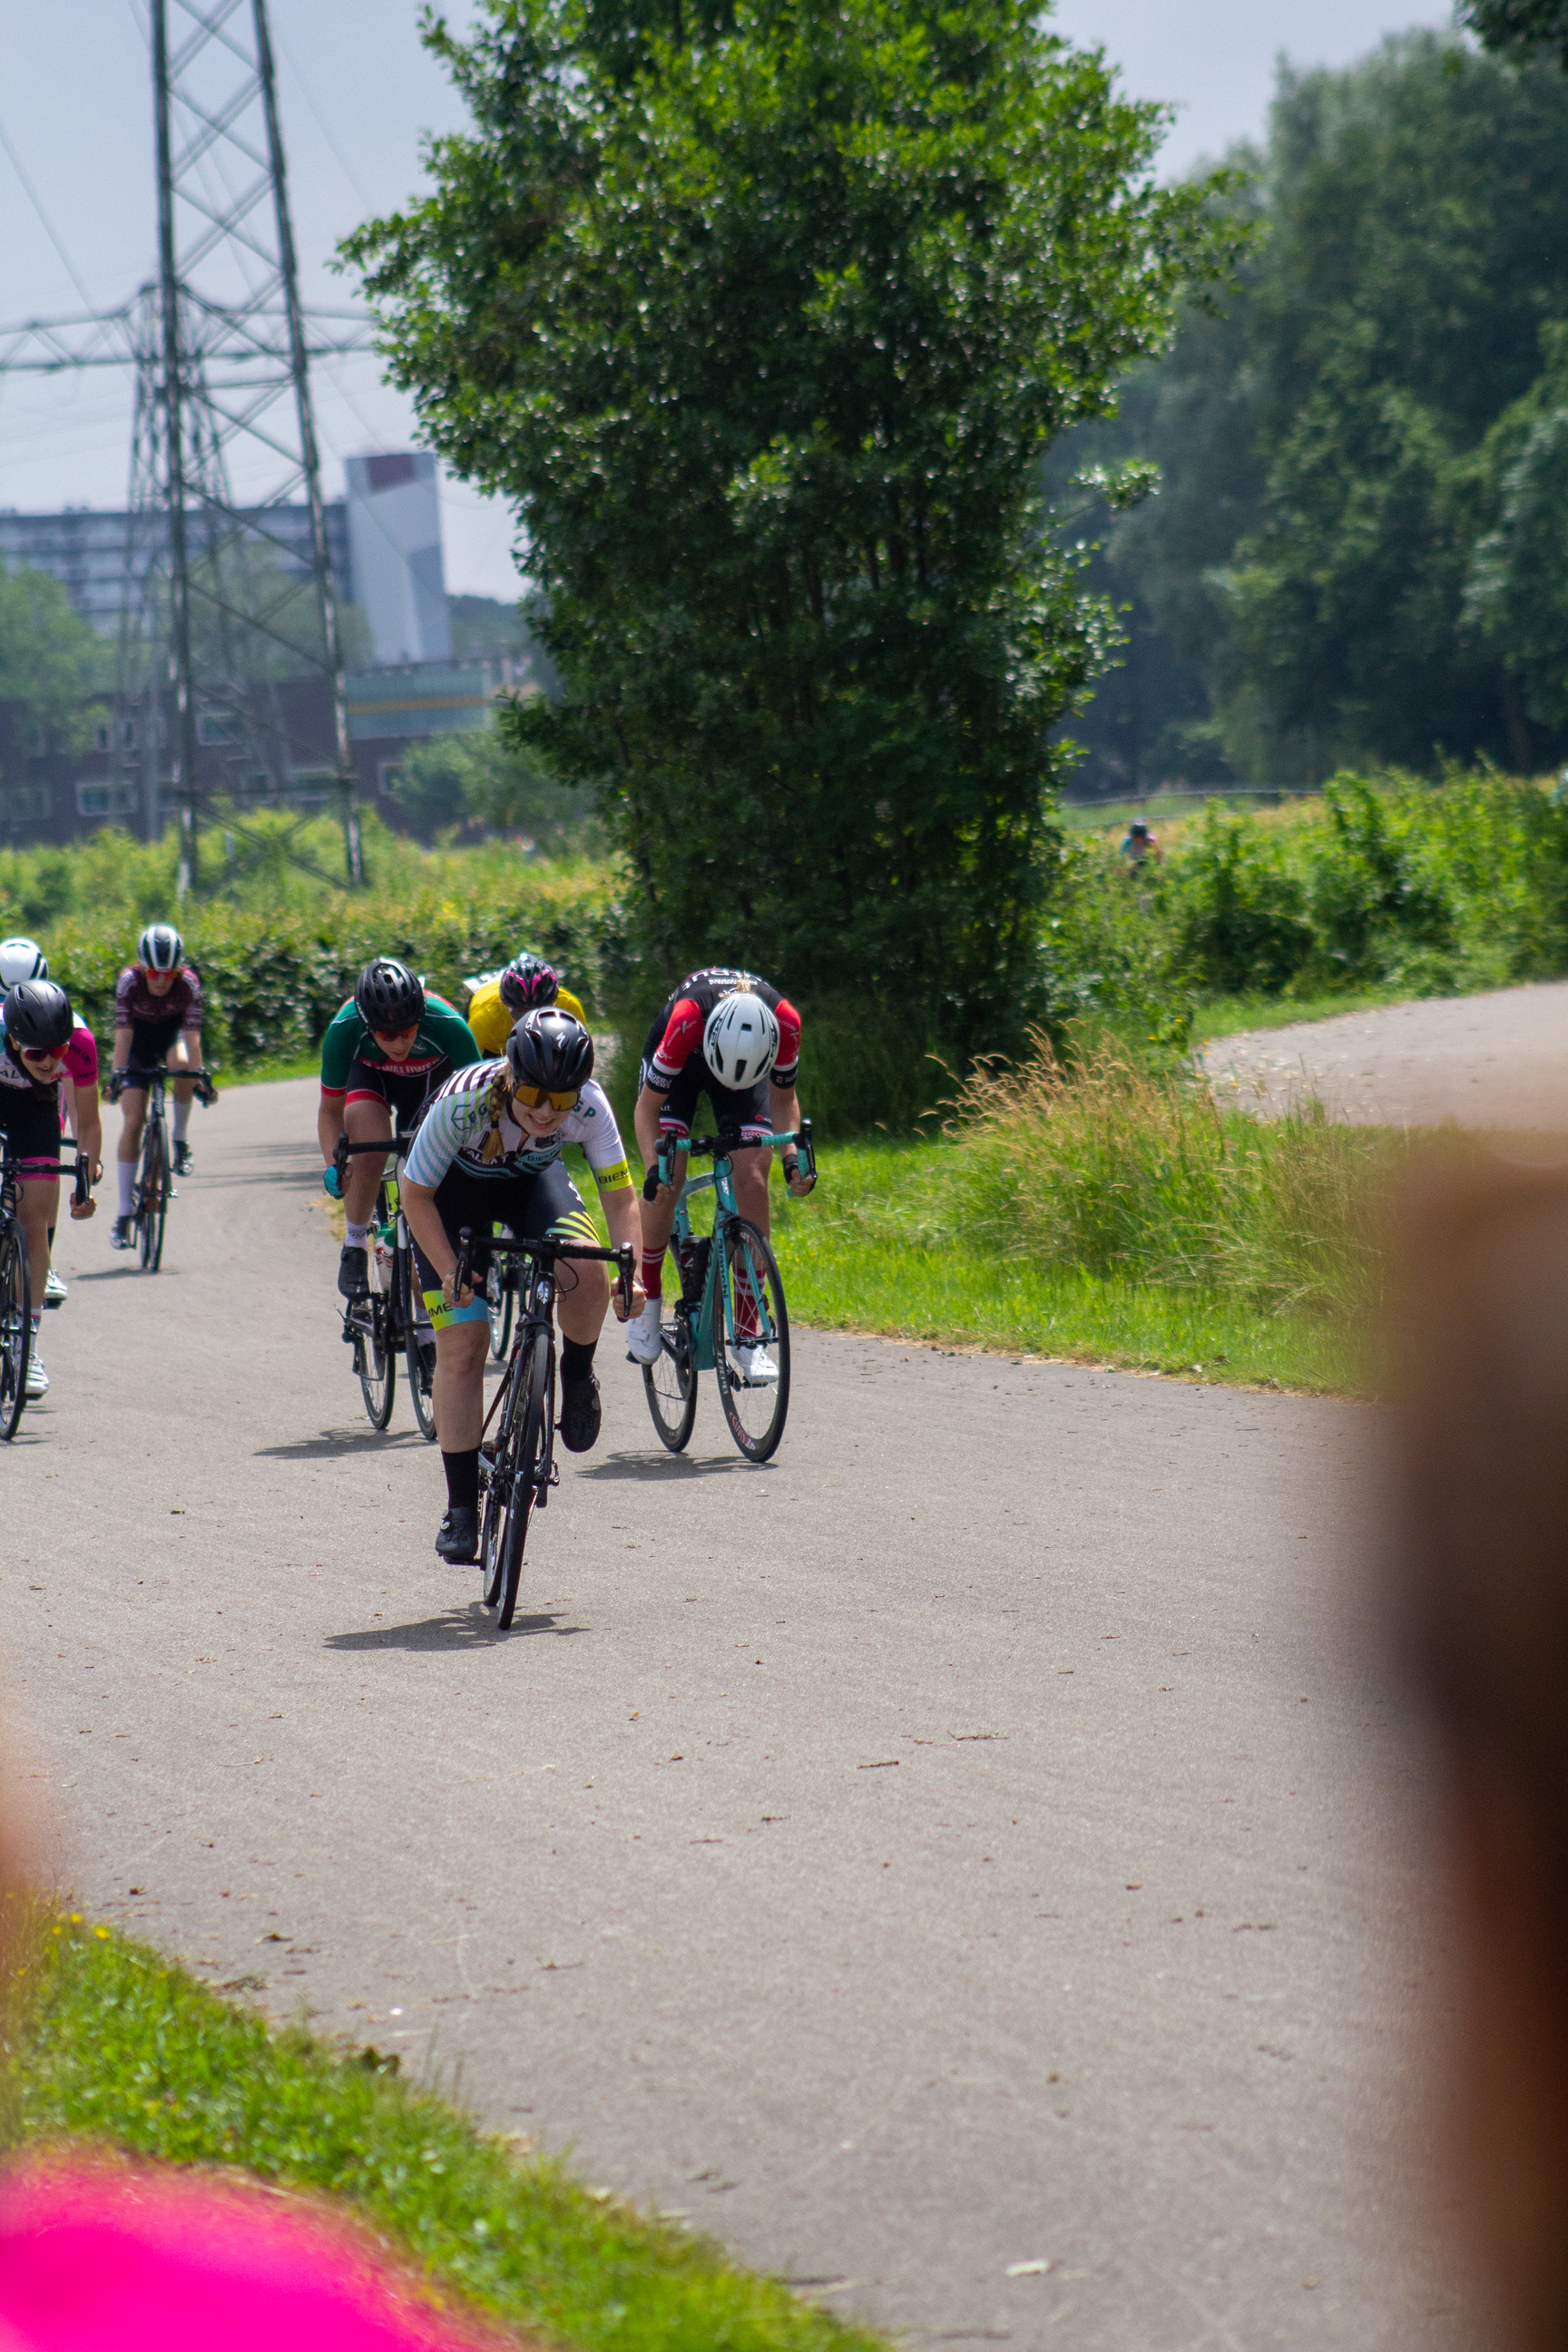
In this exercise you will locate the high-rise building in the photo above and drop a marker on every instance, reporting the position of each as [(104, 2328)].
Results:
[(84, 548), (394, 542)]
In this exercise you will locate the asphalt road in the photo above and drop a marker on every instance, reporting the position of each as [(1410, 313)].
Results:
[(971, 1842)]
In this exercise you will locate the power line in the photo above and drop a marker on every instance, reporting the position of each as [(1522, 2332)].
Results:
[(34, 199), (345, 166)]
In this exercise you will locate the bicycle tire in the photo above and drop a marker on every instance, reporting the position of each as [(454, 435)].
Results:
[(16, 1330), (747, 1246), (419, 1356), (153, 1203), (497, 1470), (530, 1461), (375, 1361), (500, 1297), (671, 1386)]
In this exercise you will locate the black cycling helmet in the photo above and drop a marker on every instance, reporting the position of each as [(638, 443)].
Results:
[(161, 948), (38, 1014), (389, 997), (549, 1048), (527, 980)]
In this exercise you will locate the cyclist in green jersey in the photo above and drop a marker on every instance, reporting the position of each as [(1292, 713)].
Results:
[(389, 1048)]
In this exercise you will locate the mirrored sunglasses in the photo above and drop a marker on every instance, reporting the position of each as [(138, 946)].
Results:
[(535, 1099)]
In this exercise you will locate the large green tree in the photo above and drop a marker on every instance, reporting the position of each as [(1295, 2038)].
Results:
[(50, 662), (1526, 26), (762, 313)]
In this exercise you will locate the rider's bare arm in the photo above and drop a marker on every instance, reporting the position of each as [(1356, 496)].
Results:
[(121, 1048), (623, 1218), (330, 1125)]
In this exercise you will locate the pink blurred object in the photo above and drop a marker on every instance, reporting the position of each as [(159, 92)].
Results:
[(111, 2259)]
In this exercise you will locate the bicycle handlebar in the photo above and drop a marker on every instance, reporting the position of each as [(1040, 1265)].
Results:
[(721, 1147), (139, 1078), (80, 1168), (623, 1259)]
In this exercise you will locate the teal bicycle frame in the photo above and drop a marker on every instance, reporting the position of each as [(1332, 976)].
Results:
[(701, 1315)]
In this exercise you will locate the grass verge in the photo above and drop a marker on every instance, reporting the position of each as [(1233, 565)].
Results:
[(844, 1270), (117, 2046)]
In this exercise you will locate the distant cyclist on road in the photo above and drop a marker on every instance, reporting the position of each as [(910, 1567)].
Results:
[(488, 1152), (731, 1035), (527, 983), (157, 1018), (22, 959), (388, 1049), (36, 1027)]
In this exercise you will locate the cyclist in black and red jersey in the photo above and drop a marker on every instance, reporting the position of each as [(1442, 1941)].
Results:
[(36, 1031), (735, 1039), (157, 1018)]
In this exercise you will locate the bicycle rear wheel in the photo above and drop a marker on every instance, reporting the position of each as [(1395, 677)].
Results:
[(521, 1463), (500, 1297), (373, 1358), (670, 1383), (153, 1199), (750, 1341), (16, 1330), (418, 1344)]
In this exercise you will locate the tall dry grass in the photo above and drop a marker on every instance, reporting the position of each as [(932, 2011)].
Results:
[(1120, 1170)]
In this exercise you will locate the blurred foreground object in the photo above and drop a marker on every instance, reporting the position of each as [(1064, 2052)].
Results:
[(108, 2258), (1480, 1616)]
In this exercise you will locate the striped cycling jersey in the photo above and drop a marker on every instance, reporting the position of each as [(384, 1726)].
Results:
[(461, 1129)]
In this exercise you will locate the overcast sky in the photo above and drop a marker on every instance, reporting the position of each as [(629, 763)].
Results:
[(357, 92)]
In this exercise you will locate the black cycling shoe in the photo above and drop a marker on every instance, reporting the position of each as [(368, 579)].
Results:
[(124, 1233), (184, 1163), (354, 1273), (458, 1536), (580, 1414)]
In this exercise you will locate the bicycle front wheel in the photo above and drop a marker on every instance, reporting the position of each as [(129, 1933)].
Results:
[(751, 1342), (418, 1346), (154, 1195), (16, 1330), (670, 1383), (523, 1462)]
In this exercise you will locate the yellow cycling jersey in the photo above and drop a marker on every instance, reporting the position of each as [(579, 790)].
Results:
[(492, 1023)]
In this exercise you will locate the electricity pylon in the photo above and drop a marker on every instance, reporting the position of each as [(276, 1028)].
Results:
[(229, 643)]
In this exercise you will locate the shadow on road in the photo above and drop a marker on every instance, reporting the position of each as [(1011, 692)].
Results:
[(472, 1628), (342, 1441), (132, 1272), (641, 1467)]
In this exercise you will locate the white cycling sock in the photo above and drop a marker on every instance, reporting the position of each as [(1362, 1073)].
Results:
[(182, 1120), (126, 1171), (354, 1235)]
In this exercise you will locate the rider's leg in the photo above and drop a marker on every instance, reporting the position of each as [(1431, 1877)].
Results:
[(458, 1393), (366, 1121), (38, 1207), (583, 1307), (749, 1174), (180, 1057), (133, 1119)]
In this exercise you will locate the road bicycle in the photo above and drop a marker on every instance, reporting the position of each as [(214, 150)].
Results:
[(500, 1297), (154, 1187), (16, 1278), (731, 1317), (389, 1321), (517, 1465)]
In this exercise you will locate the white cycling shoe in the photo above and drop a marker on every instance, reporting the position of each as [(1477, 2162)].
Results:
[(644, 1343), (53, 1289), (37, 1378), (757, 1365)]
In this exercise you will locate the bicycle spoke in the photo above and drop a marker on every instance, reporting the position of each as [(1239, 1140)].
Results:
[(751, 1346)]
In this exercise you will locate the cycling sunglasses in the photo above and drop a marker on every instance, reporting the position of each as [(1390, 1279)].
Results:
[(43, 1053), (535, 1098)]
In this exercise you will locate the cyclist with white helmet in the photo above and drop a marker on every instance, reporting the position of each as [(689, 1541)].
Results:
[(157, 1018), (22, 959), (36, 1026), (735, 1039)]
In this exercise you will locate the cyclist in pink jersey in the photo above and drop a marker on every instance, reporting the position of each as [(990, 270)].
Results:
[(23, 959)]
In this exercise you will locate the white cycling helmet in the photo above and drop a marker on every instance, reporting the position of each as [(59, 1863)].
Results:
[(160, 948), (21, 959), (740, 1040)]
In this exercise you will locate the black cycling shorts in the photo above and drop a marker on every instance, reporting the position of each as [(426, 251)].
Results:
[(150, 1040), (747, 1113), (405, 1091), (30, 1120), (530, 1205)]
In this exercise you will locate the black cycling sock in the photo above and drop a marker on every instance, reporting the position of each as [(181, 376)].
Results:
[(576, 1359), (462, 1479)]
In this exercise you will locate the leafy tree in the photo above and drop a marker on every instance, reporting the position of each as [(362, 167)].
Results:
[(1524, 26), (763, 313), (51, 660), (483, 628), (482, 777)]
